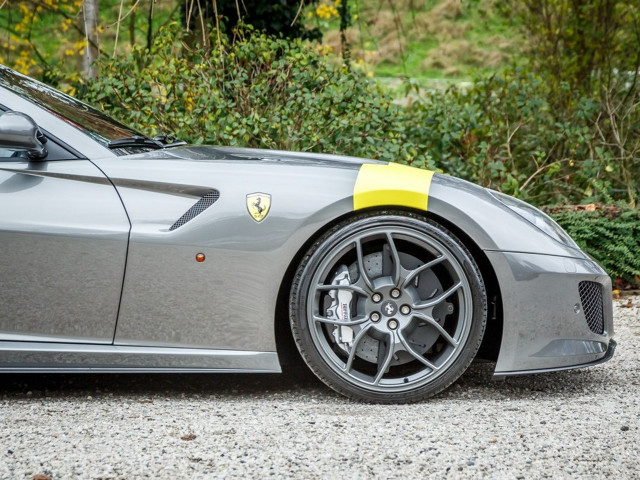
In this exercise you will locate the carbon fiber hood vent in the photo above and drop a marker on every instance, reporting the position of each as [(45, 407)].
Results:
[(200, 206)]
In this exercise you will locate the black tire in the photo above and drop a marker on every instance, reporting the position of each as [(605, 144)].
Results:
[(404, 330)]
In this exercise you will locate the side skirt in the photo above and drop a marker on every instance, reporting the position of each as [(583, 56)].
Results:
[(66, 357)]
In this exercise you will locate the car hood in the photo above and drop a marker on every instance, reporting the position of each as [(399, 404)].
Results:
[(230, 154)]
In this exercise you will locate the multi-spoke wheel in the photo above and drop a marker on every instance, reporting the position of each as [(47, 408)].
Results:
[(388, 307)]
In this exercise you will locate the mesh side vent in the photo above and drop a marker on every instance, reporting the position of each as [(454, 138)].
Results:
[(200, 206), (592, 305)]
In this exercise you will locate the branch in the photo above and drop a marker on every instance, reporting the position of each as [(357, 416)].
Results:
[(120, 19), (115, 43), (67, 17), (295, 19), (33, 46)]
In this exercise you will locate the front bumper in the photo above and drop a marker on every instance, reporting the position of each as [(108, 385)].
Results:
[(607, 356), (547, 322)]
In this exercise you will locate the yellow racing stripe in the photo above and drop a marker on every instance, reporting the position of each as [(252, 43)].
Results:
[(391, 184)]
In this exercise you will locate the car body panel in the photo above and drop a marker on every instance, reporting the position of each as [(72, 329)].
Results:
[(62, 256), (391, 184), (74, 229), (491, 225), (165, 286), (541, 292)]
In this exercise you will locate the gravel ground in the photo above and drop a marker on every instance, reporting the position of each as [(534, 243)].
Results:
[(577, 424)]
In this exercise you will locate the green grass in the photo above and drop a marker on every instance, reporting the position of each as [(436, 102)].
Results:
[(449, 40)]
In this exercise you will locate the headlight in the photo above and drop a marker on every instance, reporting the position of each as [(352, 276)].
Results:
[(536, 217)]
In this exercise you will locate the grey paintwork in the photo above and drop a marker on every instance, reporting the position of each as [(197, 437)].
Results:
[(538, 278), (63, 255), (164, 284), (87, 216), (541, 291)]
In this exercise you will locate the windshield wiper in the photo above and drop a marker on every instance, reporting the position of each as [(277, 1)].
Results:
[(136, 141), (160, 141), (168, 140)]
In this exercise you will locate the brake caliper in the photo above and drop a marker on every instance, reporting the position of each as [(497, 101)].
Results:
[(340, 308)]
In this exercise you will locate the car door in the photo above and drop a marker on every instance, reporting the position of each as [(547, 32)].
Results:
[(63, 244)]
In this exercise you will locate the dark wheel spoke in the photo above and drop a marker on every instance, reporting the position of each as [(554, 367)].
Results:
[(351, 288), (413, 273), (330, 321), (413, 353), (437, 326), (386, 360), (356, 341), (395, 258), (432, 302), (363, 273)]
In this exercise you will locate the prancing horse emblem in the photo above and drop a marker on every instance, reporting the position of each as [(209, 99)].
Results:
[(258, 205)]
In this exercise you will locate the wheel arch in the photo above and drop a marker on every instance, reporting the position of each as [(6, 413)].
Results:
[(491, 342), (288, 353), (285, 347)]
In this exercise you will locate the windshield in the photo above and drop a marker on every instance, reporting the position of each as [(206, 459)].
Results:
[(94, 123)]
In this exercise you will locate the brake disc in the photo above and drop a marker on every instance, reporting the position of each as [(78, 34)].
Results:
[(343, 304)]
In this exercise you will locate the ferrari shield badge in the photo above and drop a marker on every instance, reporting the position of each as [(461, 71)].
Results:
[(258, 205)]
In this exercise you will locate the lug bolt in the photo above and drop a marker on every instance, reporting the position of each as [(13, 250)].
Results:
[(376, 297), (393, 324), (375, 316), (395, 293), (405, 309)]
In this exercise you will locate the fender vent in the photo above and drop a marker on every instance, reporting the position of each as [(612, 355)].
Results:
[(592, 305), (200, 206)]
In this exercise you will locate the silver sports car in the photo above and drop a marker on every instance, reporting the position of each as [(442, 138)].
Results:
[(122, 253)]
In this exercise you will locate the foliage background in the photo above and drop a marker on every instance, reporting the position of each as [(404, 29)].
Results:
[(251, 90), (536, 98)]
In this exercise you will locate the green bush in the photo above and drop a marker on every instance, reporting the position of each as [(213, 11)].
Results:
[(497, 133), (610, 235), (503, 133), (259, 91), (255, 91)]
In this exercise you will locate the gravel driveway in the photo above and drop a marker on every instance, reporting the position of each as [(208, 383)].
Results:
[(577, 424)]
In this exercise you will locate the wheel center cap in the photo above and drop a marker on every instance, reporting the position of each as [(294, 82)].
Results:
[(389, 308)]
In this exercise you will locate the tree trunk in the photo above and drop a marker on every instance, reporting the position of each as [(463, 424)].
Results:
[(90, 14), (132, 26)]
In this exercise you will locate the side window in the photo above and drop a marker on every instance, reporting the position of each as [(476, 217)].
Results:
[(8, 154), (54, 149)]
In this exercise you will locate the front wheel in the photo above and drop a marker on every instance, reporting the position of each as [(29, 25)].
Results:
[(388, 307)]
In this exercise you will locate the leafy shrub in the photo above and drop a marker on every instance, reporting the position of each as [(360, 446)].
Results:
[(497, 133), (503, 132), (255, 91), (581, 44), (611, 235)]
